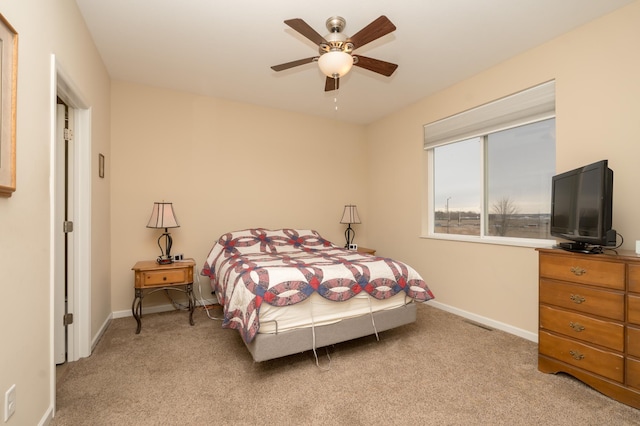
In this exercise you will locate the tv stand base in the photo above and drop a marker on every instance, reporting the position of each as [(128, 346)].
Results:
[(580, 248)]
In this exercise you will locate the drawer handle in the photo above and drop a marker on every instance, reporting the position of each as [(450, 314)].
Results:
[(577, 299), (164, 278), (578, 271), (576, 355), (576, 326)]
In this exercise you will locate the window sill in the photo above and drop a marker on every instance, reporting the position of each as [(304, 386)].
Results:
[(515, 242)]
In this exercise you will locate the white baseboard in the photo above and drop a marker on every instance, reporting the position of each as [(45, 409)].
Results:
[(486, 321), (462, 313), (159, 308), (47, 418), (100, 332)]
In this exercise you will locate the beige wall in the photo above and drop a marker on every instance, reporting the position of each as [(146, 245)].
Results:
[(225, 166), (45, 28), (596, 69)]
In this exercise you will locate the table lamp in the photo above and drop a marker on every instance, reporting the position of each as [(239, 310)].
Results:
[(349, 216), (162, 216)]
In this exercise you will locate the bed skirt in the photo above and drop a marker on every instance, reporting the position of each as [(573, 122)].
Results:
[(268, 346)]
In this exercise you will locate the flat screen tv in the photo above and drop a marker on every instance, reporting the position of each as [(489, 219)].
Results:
[(581, 208)]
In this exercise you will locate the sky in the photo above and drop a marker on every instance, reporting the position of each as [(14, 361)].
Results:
[(520, 164)]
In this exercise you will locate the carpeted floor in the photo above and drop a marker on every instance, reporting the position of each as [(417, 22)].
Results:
[(442, 370)]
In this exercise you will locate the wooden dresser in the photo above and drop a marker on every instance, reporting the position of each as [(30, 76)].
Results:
[(590, 320)]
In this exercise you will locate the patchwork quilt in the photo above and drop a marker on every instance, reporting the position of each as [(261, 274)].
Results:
[(283, 267)]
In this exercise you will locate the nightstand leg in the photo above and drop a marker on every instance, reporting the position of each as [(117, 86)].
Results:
[(192, 302), (136, 309)]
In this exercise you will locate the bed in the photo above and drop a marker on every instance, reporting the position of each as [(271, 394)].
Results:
[(290, 290)]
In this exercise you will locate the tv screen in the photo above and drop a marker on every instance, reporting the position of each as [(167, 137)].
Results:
[(581, 207)]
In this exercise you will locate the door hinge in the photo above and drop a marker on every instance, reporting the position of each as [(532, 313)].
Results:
[(67, 226), (68, 134), (67, 319)]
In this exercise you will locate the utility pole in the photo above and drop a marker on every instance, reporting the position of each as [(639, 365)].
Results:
[(448, 215)]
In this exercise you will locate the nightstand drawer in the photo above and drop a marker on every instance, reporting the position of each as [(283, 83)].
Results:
[(169, 276), (606, 364), (589, 300), (582, 327), (583, 271)]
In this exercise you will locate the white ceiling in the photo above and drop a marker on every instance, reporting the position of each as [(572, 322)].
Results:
[(225, 48)]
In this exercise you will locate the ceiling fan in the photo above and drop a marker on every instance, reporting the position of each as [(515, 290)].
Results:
[(336, 58)]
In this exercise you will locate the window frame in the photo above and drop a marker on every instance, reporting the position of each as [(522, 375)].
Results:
[(526, 107)]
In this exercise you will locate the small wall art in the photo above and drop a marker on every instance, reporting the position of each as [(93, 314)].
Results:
[(101, 165)]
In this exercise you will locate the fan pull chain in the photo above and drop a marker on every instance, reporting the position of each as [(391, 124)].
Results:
[(335, 98)]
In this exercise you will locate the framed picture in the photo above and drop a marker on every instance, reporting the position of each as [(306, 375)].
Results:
[(101, 165), (8, 80)]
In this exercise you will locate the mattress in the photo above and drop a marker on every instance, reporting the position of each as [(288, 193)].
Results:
[(318, 311)]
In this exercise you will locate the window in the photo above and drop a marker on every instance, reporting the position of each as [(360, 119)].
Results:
[(490, 170)]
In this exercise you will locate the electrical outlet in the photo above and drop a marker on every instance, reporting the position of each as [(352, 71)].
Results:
[(9, 402)]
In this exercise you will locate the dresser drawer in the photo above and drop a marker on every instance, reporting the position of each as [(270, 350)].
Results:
[(584, 271), (603, 363), (634, 278), (582, 327), (633, 309), (168, 276), (589, 300), (633, 373), (633, 341)]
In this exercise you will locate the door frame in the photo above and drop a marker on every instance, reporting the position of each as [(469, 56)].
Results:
[(79, 333)]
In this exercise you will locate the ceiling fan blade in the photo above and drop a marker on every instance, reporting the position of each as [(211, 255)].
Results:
[(303, 28), (376, 65), (331, 84), (292, 64), (376, 29)]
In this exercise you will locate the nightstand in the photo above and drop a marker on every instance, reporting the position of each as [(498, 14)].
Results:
[(149, 275), (366, 250)]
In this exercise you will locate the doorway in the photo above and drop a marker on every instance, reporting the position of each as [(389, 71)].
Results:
[(63, 229), (78, 202)]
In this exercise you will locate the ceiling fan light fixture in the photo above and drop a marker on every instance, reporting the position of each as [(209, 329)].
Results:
[(335, 64), (335, 49)]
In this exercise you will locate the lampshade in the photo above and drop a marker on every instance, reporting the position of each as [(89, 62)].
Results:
[(162, 216), (350, 214), (335, 63)]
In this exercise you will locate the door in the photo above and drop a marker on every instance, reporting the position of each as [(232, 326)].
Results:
[(63, 222)]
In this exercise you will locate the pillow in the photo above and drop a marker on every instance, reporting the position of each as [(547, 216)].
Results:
[(261, 240)]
